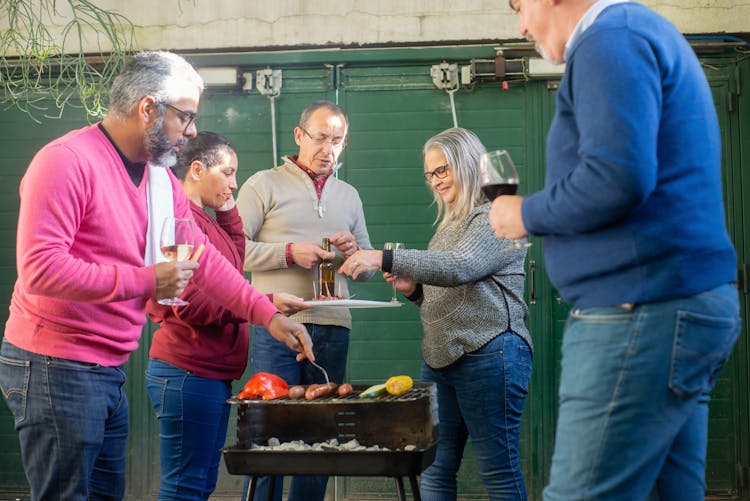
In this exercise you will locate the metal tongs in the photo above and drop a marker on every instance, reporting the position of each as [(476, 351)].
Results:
[(322, 370)]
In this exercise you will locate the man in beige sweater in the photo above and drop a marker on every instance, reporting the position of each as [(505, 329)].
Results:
[(286, 213)]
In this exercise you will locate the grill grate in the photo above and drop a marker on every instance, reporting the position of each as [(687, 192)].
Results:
[(416, 392), (387, 421)]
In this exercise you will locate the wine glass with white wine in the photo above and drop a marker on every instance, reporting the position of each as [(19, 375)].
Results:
[(176, 242), (393, 246), (498, 176)]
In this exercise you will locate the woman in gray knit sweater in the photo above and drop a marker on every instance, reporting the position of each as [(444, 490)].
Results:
[(475, 347)]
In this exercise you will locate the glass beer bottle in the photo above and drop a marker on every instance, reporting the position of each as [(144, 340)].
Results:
[(326, 273)]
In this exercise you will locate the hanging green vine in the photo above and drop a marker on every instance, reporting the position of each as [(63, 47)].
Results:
[(43, 71)]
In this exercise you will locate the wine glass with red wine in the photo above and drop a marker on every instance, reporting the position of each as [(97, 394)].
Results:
[(498, 176)]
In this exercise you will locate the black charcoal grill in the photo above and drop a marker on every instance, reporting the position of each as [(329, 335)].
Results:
[(392, 422)]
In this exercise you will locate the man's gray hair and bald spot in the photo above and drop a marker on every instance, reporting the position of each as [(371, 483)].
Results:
[(315, 106), (151, 73)]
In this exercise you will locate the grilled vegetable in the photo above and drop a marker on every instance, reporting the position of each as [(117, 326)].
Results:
[(264, 385), (373, 391), (397, 385)]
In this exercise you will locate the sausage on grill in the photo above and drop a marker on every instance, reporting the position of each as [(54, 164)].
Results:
[(296, 392), (320, 390)]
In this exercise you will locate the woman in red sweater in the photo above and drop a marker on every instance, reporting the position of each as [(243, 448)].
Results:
[(200, 348)]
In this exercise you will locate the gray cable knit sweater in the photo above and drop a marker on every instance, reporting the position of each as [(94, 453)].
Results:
[(462, 305)]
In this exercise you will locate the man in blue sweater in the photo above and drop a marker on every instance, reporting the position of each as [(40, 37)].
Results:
[(634, 237)]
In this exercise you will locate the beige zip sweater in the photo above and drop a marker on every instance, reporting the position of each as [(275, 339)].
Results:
[(280, 205)]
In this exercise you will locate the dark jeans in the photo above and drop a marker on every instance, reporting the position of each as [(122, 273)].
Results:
[(72, 421)]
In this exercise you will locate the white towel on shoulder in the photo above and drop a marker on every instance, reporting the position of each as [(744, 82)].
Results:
[(160, 206)]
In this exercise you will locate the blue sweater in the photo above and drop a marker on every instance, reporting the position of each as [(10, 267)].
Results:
[(632, 207)]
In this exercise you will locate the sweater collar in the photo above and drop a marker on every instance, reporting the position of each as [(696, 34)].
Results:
[(318, 181), (587, 20)]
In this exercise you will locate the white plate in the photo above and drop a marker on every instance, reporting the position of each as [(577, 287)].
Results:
[(353, 303)]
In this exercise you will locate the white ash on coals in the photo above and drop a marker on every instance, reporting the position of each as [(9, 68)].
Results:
[(329, 445)]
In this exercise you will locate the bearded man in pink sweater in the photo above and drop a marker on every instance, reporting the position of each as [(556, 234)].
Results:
[(85, 273)]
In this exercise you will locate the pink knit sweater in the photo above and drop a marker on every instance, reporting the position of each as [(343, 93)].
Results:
[(82, 285)]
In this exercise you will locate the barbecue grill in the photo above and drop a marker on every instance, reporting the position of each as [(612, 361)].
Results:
[(392, 422)]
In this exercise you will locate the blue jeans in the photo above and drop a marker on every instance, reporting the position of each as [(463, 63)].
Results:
[(72, 422), (331, 347), (480, 396), (634, 394), (193, 414)]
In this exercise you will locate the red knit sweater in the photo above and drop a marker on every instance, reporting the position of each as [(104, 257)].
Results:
[(204, 337)]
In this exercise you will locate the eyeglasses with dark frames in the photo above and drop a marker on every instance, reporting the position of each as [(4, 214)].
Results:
[(440, 172), (186, 117), (321, 139)]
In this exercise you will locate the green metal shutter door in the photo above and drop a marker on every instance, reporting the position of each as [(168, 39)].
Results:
[(727, 426), (393, 109)]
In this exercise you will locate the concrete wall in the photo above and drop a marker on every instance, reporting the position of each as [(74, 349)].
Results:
[(221, 24)]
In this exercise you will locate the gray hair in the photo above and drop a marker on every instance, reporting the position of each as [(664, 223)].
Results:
[(151, 73), (462, 149), (315, 106)]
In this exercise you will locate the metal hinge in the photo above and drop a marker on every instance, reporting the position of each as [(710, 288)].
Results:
[(444, 75), (268, 82)]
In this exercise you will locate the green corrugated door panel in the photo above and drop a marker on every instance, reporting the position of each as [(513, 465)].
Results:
[(740, 188), (727, 429)]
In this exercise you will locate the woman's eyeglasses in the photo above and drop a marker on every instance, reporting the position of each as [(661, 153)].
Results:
[(439, 172)]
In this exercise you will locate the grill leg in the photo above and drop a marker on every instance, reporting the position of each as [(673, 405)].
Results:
[(271, 488), (251, 491), (400, 489), (415, 488)]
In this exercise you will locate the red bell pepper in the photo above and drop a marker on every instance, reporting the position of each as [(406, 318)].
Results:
[(264, 385)]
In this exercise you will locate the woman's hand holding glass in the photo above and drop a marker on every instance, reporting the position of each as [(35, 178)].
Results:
[(403, 285)]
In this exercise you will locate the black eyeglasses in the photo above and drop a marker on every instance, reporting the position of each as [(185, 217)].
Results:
[(439, 172), (321, 139), (186, 117)]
